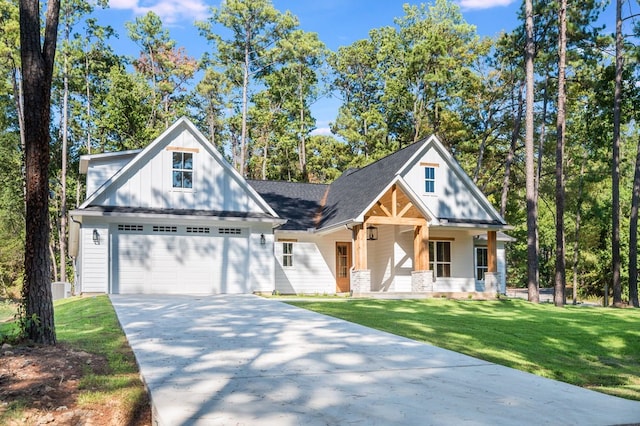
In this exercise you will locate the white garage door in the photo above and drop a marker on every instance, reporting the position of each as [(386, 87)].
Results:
[(160, 259)]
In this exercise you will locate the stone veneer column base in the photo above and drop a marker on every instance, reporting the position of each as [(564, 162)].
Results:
[(421, 281), (360, 281), (491, 282)]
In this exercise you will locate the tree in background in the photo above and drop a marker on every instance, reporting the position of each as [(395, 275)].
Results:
[(560, 276), (167, 68), (211, 99), (37, 55), (359, 84), (302, 55), (532, 203), (250, 52)]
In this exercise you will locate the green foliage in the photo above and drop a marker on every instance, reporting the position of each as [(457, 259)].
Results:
[(167, 69), (427, 71), (595, 348)]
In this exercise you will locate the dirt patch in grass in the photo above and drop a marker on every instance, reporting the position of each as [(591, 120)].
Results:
[(41, 385)]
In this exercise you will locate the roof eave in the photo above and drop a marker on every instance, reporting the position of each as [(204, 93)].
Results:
[(94, 213), (487, 226)]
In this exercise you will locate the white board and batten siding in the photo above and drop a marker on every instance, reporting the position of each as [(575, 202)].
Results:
[(103, 167), (95, 259), (452, 197), (260, 263), (314, 260), (151, 184), (390, 259)]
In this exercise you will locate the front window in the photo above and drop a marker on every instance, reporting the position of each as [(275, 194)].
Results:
[(440, 258), (482, 262), (429, 180), (183, 170), (287, 255)]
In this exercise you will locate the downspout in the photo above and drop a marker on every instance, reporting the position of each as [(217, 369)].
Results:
[(75, 252)]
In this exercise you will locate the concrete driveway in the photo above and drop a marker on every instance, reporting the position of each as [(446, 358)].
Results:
[(241, 359)]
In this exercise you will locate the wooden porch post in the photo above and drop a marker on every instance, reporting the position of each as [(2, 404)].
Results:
[(421, 247), (492, 251), (360, 244)]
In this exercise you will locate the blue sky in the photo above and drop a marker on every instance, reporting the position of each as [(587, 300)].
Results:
[(337, 22)]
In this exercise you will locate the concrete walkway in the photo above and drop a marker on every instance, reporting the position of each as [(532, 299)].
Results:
[(241, 359)]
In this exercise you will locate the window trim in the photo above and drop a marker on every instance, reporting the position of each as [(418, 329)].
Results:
[(287, 258), (182, 153), (477, 266), (429, 179), (433, 258)]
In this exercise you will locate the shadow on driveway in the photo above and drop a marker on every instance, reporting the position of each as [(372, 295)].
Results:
[(241, 359)]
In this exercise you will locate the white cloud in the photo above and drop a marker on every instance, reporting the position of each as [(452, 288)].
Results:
[(483, 4), (170, 11), (322, 131)]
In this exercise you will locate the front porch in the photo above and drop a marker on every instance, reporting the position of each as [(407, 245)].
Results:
[(399, 249)]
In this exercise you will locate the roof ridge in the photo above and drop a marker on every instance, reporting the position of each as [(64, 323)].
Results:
[(386, 157), (287, 181)]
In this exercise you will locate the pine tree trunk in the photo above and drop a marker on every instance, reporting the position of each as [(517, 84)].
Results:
[(532, 204), (37, 72), (515, 134), (559, 296), (615, 169), (576, 241), (633, 234)]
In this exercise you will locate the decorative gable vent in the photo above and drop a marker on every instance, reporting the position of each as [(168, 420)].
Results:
[(230, 231), (159, 228), (130, 228), (198, 230)]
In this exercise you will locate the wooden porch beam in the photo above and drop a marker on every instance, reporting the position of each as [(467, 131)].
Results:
[(360, 244), (492, 251), (421, 247), (382, 220), (384, 209), (394, 200), (405, 209)]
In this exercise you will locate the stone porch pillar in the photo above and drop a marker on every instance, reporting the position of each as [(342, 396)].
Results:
[(360, 275)]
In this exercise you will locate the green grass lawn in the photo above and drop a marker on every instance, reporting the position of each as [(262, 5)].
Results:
[(90, 324), (7, 310), (596, 348)]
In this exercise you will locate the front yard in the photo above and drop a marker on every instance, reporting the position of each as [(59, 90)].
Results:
[(596, 348)]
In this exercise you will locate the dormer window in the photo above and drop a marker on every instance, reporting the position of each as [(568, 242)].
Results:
[(429, 180), (182, 170)]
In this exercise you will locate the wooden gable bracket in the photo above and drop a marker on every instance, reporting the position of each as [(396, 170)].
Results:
[(394, 208)]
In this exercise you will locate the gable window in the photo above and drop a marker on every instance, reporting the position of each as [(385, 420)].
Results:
[(287, 254), (440, 258), (182, 170), (482, 262), (430, 180)]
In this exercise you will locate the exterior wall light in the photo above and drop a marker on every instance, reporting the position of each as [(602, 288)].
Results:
[(372, 233), (96, 237), (263, 240)]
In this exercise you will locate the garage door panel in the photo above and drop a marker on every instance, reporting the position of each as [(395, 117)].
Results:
[(177, 263)]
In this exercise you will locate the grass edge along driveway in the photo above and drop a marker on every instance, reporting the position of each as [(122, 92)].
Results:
[(592, 347)]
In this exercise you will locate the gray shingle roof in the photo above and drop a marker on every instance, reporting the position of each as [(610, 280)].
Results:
[(299, 203), (355, 189)]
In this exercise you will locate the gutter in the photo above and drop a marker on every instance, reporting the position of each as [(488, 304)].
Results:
[(82, 213)]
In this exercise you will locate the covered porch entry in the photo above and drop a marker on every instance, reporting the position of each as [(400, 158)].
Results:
[(400, 248)]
